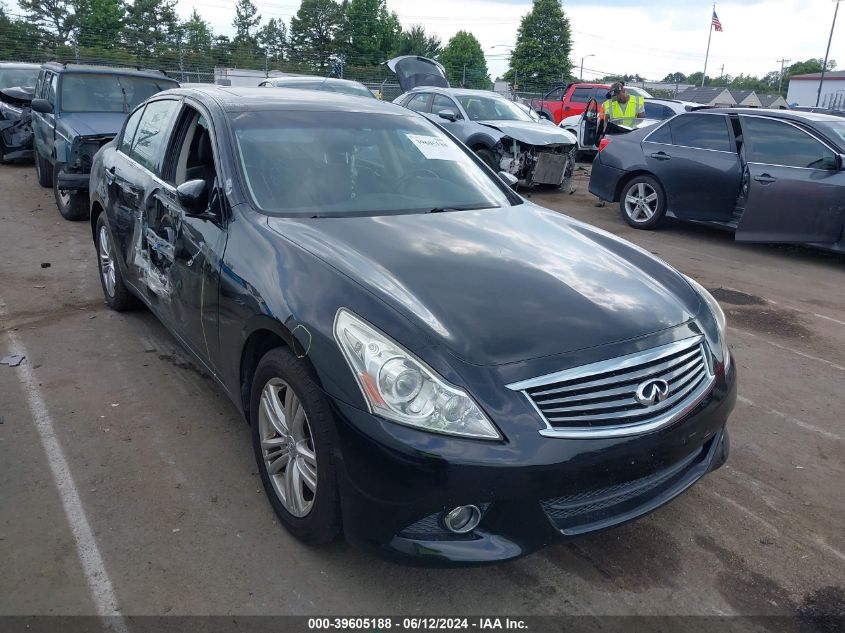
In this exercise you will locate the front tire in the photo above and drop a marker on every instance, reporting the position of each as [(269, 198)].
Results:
[(117, 294), (293, 439), (72, 206), (489, 159), (43, 171), (643, 203)]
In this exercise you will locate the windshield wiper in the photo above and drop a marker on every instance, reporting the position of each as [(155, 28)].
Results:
[(471, 207)]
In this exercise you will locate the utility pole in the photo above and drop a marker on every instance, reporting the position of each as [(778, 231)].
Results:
[(722, 73), (827, 53), (581, 76), (464, 77), (783, 63)]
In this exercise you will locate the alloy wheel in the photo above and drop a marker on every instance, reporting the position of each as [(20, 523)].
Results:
[(107, 262), (641, 202), (287, 447)]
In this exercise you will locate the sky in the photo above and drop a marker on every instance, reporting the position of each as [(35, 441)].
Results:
[(622, 36)]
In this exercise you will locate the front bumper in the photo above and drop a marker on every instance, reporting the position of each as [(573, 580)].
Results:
[(396, 483), (72, 182)]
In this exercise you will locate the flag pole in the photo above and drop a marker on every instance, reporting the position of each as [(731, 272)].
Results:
[(709, 37)]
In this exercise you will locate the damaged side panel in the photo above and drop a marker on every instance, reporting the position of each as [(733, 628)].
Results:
[(15, 128)]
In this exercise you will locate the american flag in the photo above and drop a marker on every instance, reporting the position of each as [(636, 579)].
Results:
[(716, 24)]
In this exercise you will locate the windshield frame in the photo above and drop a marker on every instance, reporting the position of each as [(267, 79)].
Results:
[(245, 193), (166, 82), (828, 129)]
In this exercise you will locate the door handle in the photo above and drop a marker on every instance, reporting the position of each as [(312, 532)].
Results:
[(661, 156), (765, 179), (110, 175)]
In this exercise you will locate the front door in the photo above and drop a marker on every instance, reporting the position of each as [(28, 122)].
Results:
[(694, 157), (589, 128), (44, 124), (796, 186)]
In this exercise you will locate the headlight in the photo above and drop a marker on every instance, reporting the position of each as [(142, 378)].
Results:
[(400, 387), (9, 111), (718, 314)]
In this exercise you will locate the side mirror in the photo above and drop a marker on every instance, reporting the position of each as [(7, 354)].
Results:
[(509, 179), (449, 115), (840, 162), (193, 196), (42, 105)]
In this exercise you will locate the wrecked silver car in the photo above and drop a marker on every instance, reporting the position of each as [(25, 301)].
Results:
[(502, 134), (16, 81)]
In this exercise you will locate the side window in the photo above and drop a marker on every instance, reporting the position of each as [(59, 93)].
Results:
[(419, 102), (778, 143), (657, 111), (600, 94), (129, 131), (701, 131), (39, 86), (661, 135), (151, 136), (441, 103), (581, 95), (50, 89), (192, 151), (554, 95)]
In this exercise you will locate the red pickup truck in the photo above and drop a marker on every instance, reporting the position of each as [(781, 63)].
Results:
[(568, 100)]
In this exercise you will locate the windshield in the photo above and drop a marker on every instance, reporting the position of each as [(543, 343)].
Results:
[(90, 92), (835, 131), (350, 163), (481, 108), (13, 77)]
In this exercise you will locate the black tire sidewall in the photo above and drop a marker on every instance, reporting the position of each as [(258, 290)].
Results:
[(658, 216), (322, 523), (487, 158), (77, 206)]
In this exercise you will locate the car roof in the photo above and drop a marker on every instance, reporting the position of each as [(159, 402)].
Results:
[(312, 79), (20, 65), (787, 115), (457, 92), (106, 70), (241, 99)]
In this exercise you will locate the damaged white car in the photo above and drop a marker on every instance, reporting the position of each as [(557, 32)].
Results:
[(503, 135)]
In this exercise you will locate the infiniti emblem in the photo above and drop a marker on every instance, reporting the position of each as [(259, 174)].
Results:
[(650, 392)]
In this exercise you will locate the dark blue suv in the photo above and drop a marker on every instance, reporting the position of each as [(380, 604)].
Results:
[(76, 110)]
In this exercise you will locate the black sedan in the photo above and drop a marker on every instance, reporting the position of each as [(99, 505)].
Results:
[(338, 265), (767, 175)]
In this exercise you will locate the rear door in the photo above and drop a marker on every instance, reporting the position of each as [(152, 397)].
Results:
[(695, 159), (577, 101), (44, 125), (796, 188)]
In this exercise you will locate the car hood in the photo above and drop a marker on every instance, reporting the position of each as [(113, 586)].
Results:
[(502, 285), (412, 71), (17, 95), (94, 123), (531, 132)]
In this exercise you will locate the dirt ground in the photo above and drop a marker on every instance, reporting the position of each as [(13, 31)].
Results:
[(164, 473)]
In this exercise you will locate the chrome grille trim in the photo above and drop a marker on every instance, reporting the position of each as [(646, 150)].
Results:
[(597, 400)]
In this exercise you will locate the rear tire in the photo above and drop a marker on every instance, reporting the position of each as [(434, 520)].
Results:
[(643, 202), (312, 516), (72, 206), (489, 159), (43, 171)]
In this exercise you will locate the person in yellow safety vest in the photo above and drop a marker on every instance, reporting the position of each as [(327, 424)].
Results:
[(622, 108)]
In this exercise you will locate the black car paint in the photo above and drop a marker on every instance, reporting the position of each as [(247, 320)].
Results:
[(437, 284), (703, 185)]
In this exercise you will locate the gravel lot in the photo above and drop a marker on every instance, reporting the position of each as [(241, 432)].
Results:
[(164, 471)]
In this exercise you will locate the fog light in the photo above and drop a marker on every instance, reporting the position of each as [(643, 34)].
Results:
[(462, 519)]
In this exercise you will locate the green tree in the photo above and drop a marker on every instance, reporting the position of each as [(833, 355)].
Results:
[(152, 29), (368, 33), (464, 62), (543, 45), (273, 38), (99, 23), (675, 78), (197, 38), (246, 21), (313, 30), (57, 16), (414, 41), (20, 39), (809, 66)]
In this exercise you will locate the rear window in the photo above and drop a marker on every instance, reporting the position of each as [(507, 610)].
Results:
[(92, 92), (701, 131)]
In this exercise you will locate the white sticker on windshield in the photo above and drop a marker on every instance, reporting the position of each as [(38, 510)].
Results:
[(435, 148)]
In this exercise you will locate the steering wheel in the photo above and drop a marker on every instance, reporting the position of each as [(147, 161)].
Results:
[(416, 173)]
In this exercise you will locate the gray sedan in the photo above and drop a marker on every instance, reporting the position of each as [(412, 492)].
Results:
[(766, 175)]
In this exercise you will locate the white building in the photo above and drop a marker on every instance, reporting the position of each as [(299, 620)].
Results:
[(242, 77), (803, 90)]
